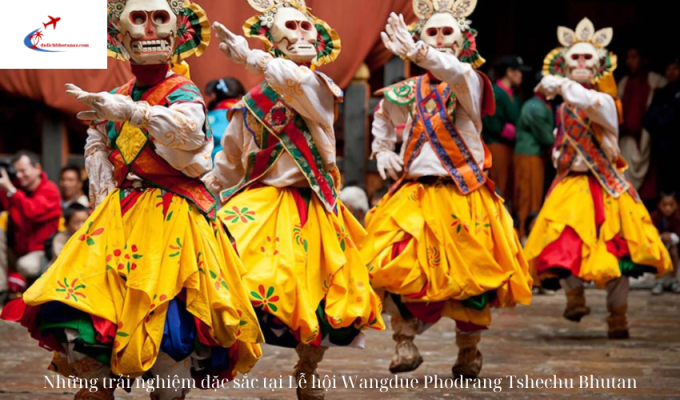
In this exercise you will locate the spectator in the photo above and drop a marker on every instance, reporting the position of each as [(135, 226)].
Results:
[(225, 93), (33, 207), (356, 201), (663, 123), (71, 187), (667, 220), (500, 129), (75, 216), (636, 91), (534, 140)]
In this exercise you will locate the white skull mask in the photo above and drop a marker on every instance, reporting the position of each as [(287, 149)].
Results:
[(443, 32), (295, 35), (147, 29), (582, 62)]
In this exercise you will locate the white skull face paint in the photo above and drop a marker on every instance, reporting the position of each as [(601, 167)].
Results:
[(295, 35), (582, 62), (147, 29), (443, 32)]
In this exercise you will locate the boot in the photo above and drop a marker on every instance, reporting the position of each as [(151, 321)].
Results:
[(469, 361), (100, 394), (576, 305), (406, 355), (617, 322), (309, 358)]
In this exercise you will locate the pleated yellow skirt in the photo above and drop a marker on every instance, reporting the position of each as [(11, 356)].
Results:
[(611, 237), (429, 243), (128, 262), (302, 262)]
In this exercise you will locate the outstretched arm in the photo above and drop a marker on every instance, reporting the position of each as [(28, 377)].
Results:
[(464, 80), (599, 107), (178, 130), (299, 86)]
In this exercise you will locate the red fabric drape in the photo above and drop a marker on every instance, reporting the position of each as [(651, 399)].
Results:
[(358, 22)]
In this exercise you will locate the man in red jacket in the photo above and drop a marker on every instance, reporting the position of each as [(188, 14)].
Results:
[(33, 208)]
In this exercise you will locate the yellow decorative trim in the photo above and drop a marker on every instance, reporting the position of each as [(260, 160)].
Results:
[(205, 34)]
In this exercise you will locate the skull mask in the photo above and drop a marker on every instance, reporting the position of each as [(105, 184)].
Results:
[(443, 32), (147, 31), (294, 34), (582, 62), (583, 52)]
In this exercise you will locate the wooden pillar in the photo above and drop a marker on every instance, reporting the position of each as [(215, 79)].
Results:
[(54, 145), (394, 69), (356, 126)]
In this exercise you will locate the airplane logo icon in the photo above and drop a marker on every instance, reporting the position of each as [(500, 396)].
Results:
[(53, 22)]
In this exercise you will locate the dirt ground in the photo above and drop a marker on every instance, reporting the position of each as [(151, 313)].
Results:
[(526, 341)]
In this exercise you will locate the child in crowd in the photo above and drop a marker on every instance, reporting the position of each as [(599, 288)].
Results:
[(75, 216), (667, 220)]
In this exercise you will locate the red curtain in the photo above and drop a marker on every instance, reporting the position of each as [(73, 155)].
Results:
[(358, 22)]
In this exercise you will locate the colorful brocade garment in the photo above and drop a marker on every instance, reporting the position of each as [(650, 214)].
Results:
[(151, 274), (592, 224), (300, 245), (441, 242)]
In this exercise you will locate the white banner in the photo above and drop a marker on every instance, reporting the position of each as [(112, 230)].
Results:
[(49, 34)]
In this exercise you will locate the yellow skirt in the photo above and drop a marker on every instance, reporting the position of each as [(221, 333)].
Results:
[(431, 244), (131, 259), (566, 234), (303, 264)]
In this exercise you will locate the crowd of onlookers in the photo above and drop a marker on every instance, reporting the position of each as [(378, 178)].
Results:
[(37, 217)]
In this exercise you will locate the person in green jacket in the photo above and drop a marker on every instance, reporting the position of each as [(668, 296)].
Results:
[(533, 142), (500, 129)]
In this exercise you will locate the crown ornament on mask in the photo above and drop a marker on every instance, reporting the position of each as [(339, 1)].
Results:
[(289, 22), (584, 49), (452, 13), (181, 30)]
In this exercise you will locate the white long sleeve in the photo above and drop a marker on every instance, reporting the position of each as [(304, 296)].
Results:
[(385, 121), (99, 168), (305, 91), (600, 109), (178, 134), (466, 83), (463, 79)]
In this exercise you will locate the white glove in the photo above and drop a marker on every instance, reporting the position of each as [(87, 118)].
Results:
[(396, 37), (550, 86), (235, 47), (106, 106), (391, 162)]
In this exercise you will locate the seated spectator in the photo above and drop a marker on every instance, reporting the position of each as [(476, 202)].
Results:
[(75, 216), (225, 93), (33, 208), (356, 201), (71, 187), (667, 220)]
